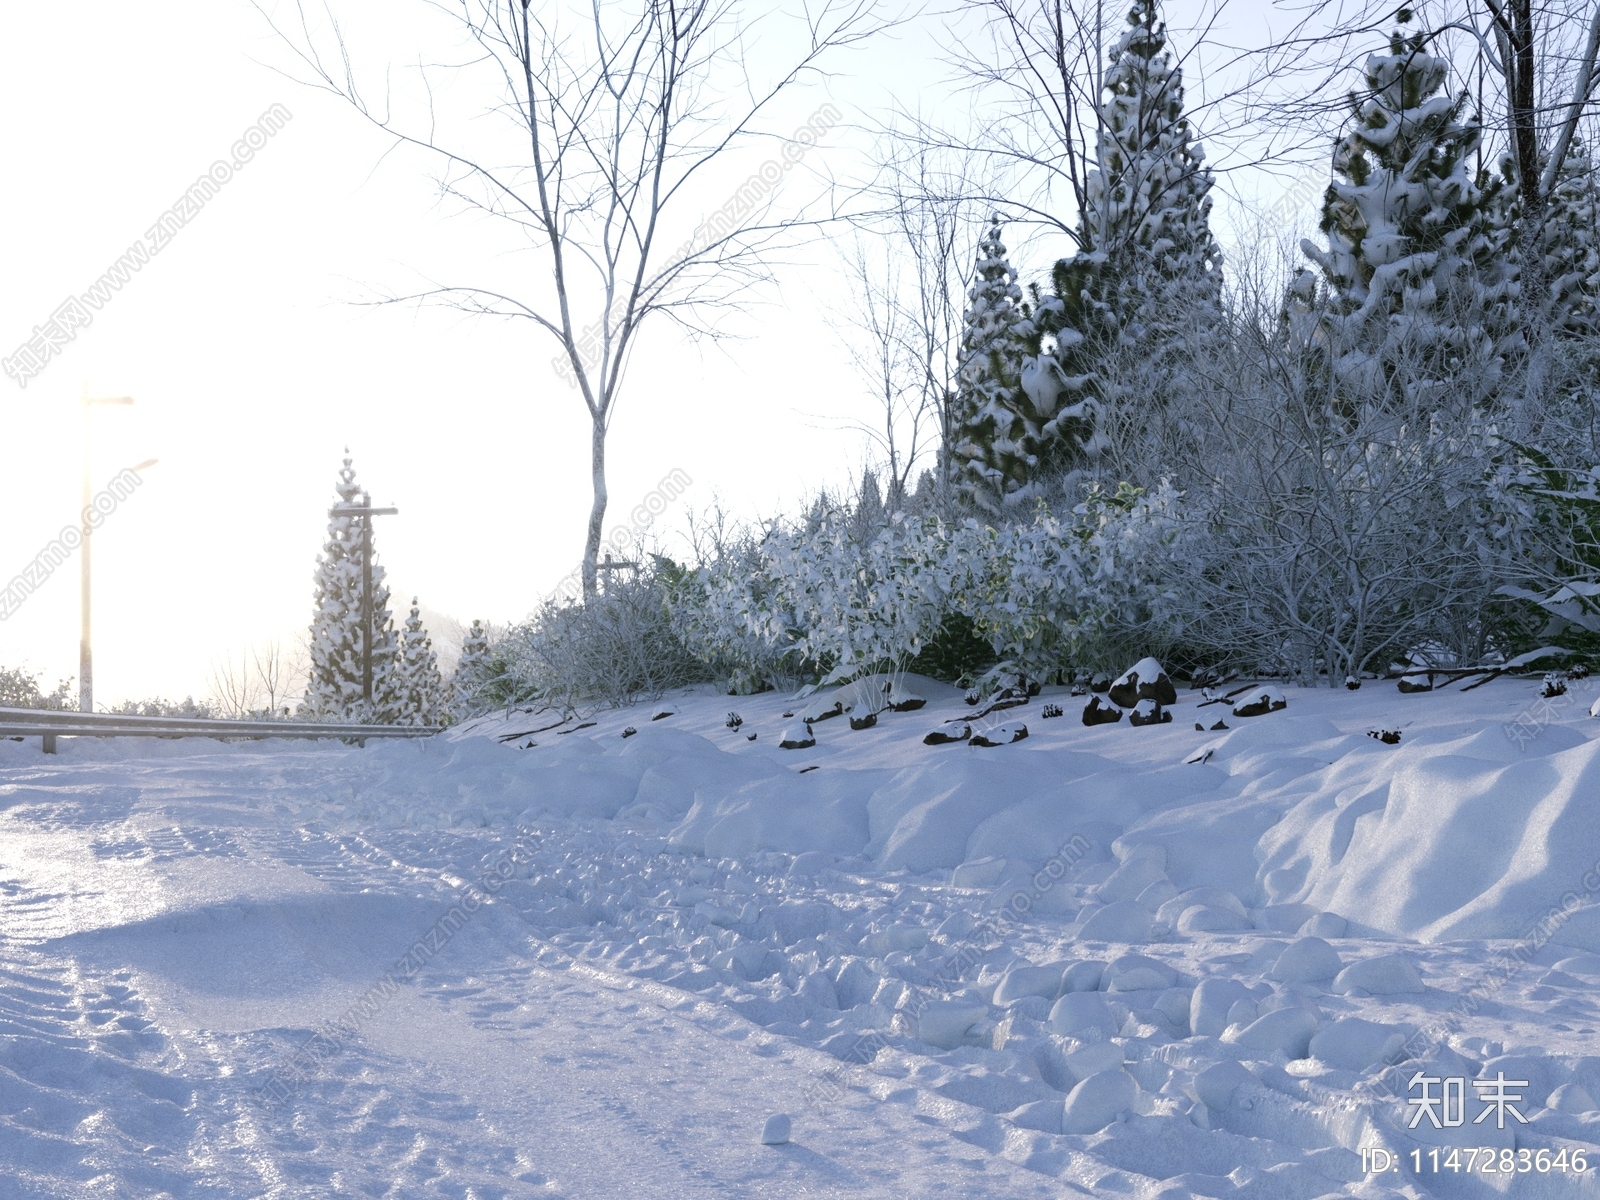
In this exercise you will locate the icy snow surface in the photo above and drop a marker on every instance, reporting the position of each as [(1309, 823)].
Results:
[(1144, 962)]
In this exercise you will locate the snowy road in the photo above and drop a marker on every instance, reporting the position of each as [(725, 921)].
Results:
[(203, 956), (594, 967)]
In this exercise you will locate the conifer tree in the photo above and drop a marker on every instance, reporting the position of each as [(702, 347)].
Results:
[(1418, 287), (335, 689), (1147, 277), (1571, 247), (418, 683), (987, 425), (471, 671)]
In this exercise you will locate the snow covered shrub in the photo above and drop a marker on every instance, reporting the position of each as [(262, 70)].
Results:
[(1327, 534), (18, 689), (157, 707), (1053, 593), (614, 649), (821, 598), (1043, 592)]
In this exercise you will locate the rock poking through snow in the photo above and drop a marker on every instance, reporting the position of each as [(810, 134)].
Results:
[(1259, 702), (797, 737), (957, 731), (1001, 735), (1095, 713), (1145, 680)]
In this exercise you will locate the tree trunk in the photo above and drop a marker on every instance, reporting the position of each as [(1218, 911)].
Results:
[(597, 510)]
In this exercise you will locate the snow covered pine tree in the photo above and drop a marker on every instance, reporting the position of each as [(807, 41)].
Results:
[(334, 691), (418, 682), (1417, 291), (1147, 276), (471, 671), (989, 466)]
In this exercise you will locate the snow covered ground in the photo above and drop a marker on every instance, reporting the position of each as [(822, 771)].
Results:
[(1143, 962)]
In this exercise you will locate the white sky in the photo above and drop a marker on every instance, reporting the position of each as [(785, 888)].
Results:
[(251, 371)]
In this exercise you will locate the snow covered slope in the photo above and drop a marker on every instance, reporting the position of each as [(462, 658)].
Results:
[(1153, 962)]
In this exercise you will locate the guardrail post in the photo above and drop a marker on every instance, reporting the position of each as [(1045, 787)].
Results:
[(49, 740)]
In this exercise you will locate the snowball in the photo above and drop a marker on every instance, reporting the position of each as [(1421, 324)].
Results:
[(1352, 1044), (1092, 1059), (1043, 1116), (944, 1023), (776, 1131), (1569, 1098), (1287, 1031), (979, 873), (810, 863), (1135, 972), (1130, 879), (1124, 921), (797, 737), (1095, 1103), (1210, 897), (1209, 1005), (1157, 894), (1029, 981), (1324, 925), (1080, 1012), (1083, 976), (1201, 918), (1386, 975), (1306, 960), (1214, 1087)]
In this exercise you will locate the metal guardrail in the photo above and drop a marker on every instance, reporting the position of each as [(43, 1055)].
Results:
[(50, 724)]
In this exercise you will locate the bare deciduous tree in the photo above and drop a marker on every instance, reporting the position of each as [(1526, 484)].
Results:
[(624, 120)]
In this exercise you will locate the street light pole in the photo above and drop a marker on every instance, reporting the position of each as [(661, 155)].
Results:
[(366, 512), (85, 648)]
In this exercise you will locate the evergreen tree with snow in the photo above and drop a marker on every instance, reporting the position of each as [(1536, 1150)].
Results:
[(334, 691), (1571, 247), (987, 425), (1146, 280), (471, 671), (1417, 286), (418, 682)]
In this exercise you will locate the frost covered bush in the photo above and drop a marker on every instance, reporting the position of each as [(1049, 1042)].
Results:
[(614, 649), (1046, 592), (18, 689)]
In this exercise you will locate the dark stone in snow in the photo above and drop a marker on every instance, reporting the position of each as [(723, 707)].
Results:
[(1145, 680), (1219, 725), (1149, 712), (865, 721), (1389, 737), (1100, 684), (1095, 713), (958, 731), (734, 720), (1001, 735), (1408, 687), (1050, 710), (629, 731), (797, 737)]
